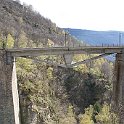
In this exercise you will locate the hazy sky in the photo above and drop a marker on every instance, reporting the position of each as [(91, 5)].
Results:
[(83, 14)]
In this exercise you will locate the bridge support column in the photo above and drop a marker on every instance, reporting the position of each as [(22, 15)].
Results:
[(118, 87), (68, 59), (9, 100)]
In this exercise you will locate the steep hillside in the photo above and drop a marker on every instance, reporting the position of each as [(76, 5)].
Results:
[(18, 20), (97, 37)]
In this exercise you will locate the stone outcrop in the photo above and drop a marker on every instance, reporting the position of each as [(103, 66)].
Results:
[(118, 87), (9, 104)]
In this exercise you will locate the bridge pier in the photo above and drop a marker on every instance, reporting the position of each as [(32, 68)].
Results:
[(68, 59), (118, 87), (9, 100)]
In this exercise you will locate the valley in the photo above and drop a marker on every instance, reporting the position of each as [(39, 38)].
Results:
[(48, 93)]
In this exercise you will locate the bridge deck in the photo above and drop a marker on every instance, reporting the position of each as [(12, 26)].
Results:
[(18, 52)]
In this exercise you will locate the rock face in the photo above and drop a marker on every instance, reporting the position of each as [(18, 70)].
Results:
[(9, 104), (118, 87)]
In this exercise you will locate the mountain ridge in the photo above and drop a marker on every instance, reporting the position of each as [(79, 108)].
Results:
[(98, 37)]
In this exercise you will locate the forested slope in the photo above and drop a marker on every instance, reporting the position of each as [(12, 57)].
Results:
[(23, 23), (50, 94)]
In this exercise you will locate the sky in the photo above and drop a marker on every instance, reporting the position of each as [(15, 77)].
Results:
[(98, 15)]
